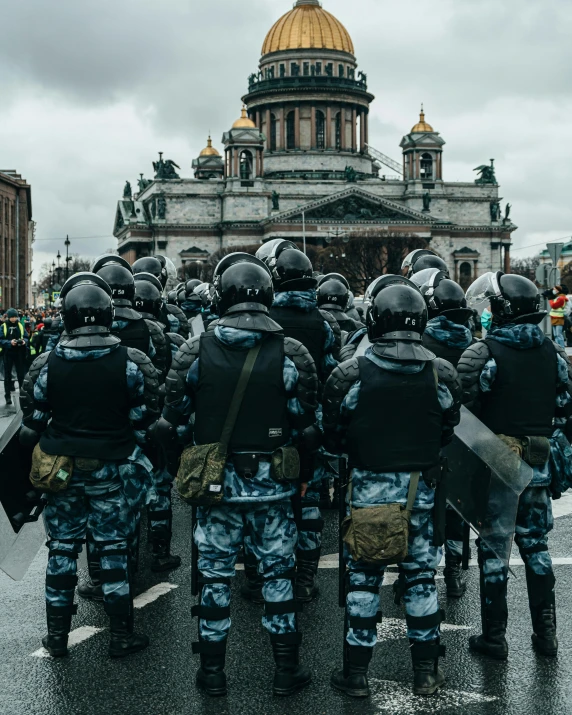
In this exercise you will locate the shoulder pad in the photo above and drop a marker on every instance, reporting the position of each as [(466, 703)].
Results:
[(469, 368), (37, 365), (176, 339), (150, 375), (448, 375), (307, 389), (335, 326), (337, 387), (182, 318), (175, 384), (348, 351)]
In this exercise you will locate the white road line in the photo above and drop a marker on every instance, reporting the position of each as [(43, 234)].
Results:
[(77, 636), (389, 696), (394, 628), (144, 599), (562, 506), (84, 632)]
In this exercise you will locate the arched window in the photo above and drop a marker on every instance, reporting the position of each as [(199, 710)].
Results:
[(320, 130), (465, 275), (273, 140), (426, 166), (339, 131), (246, 165), (291, 131)]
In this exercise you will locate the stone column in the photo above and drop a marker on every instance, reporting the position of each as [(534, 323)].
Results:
[(313, 138), (236, 171), (261, 155), (362, 131), (297, 127), (417, 167), (507, 258), (354, 129), (257, 122), (268, 130), (329, 144), (343, 142), (366, 115), (282, 143)]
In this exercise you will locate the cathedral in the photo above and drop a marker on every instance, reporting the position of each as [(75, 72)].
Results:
[(298, 164)]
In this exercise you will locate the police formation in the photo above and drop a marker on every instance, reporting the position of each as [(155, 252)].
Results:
[(253, 391)]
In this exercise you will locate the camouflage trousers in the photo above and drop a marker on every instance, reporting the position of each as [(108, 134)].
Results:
[(420, 599), (108, 523), (159, 500), (219, 535), (453, 533), (534, 521)]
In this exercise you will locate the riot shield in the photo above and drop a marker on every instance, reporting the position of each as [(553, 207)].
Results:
[(196, 325), (484, 483), (22, 531), (364, 344)]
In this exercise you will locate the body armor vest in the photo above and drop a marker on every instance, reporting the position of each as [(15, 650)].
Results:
[(135, 335), (523, 398), (345, 322), (305, 327), (397, 424), (441, 350), (90, 407), (262, 424)]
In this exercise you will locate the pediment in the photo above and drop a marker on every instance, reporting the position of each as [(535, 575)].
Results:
[(351, 206)]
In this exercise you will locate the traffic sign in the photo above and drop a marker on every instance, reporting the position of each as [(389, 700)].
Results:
[(553, 277), (555, 251), (542, 274), (55, 296)]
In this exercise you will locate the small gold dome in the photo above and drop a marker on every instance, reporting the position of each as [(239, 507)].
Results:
[(209, 150), (244, 122), (305, 27), (422, 127)]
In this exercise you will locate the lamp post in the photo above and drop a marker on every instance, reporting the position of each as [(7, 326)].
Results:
[(59, 269), (68, 258)]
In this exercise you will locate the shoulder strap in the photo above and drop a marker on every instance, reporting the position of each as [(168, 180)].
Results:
[(413, 484), (239, 392)]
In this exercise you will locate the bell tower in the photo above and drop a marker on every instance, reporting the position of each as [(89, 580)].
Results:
[(244, 150), (422, 153)]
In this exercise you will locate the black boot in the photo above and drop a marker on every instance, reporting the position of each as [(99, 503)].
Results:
[(289, 676), (211, 676), (306, 570), (494, 617), (163, 559), (59, 626), (8, 399), (352, 678), (251, 590), (92, 590), (454, 576), (325, 500), (123, 640), (543, 612), (427, 675)]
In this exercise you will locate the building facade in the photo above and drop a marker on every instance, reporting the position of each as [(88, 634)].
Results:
[(298, 164), (16, 238)]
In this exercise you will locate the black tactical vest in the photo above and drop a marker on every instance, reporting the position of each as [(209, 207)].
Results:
[(397, 424), (262, 424), (523, 399), (345, 322), (441, 350), (135, 335), (90, 407), (305, 327)]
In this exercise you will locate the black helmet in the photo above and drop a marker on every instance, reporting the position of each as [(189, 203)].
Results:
[(334, 276), (413, 256), (150, 264), (168, 272), (121, 282), (388, 279), (149, 278), (424, 262), (230, 260), (87, 308), (292, 270), (191, 285), (148, 299), (172, 297), (108, 258), (442, 295), (397, 313), (181, 296), (47, 323), (205, 292), (269, 251), (244, 287), (513, 298), (333, 292)]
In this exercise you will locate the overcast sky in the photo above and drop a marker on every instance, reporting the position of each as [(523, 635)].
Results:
[(90, 91)]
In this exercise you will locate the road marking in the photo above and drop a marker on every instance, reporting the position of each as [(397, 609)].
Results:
[(392, 697), (81, 634), (144, 599), (77, 636), (393, 628), (562, 506)]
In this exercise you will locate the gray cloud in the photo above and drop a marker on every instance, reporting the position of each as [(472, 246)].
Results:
[(92, 90)]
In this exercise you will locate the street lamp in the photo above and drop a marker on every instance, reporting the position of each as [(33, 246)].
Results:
[(68, 258)]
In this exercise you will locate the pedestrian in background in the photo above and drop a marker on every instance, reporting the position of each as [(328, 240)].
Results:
[(14, 344), (558, 303)]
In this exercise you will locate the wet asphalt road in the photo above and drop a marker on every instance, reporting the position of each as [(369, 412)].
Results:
[(159, 681)]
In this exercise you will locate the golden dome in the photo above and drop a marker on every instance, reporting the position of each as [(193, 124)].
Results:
[(209, 150), (305, 27), (244, 122), (422, 127)]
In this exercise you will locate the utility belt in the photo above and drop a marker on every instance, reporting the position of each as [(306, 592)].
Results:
[(535, 451), (284, 464)]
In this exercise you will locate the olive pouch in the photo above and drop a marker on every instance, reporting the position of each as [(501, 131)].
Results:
[(200, 476), (285, 466), (50, 473)]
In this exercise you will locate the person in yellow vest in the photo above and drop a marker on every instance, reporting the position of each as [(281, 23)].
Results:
[(557, 312), (14, 344)]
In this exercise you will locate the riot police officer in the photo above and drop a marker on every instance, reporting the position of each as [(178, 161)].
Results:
[(171, 314), (280, 396), (420, 260), (515, 381), (448, 336), (333, 296), (191, 306), (392, 410), (88, 401)]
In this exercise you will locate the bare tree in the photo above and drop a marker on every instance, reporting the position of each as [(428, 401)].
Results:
[(367, 255), (525, 266), (49, 277)]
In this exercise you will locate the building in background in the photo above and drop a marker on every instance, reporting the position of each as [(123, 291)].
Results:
[(16, 238), (298, 164)]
